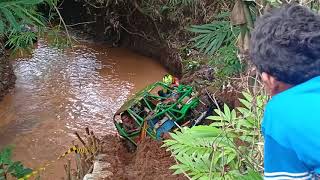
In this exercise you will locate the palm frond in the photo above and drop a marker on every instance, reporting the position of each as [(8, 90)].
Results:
[(210, 37), (20, 21)]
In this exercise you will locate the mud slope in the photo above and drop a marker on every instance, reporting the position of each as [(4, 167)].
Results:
[(7, 77), (150, 161)]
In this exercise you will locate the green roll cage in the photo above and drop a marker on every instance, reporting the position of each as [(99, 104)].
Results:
[(176, 110)]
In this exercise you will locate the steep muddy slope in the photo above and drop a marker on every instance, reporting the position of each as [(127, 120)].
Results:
[(149, 162), (121, 23), (7, 77)]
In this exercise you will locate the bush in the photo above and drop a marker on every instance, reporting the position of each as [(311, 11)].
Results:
[(10, 168), (20, 21), (229, 148), (226, 62), (211, 37)]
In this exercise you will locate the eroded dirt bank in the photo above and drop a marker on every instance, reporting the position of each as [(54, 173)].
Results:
[(124, 24), (149, 161), (7, 77)]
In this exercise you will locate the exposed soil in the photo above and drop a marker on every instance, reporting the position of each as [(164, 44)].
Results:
[(115, 26), (149, 161), (169, 57), (201, 78), (7, 77)]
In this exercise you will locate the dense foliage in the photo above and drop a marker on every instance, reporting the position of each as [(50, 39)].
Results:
[(213, 36), (10, 168), (21, 22), (229, 148)]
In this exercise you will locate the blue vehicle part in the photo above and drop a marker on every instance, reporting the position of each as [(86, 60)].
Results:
[(164, 128)]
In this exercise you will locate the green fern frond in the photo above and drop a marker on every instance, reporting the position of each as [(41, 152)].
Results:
[(20, 21), (210, 37), (223, 150), (21, 40)]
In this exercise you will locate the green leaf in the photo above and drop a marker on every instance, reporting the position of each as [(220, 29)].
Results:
[(247, 96), (19, 170), (218, 124), (222, 145), (5, 155), (245, 112), (210, 37), (211, 47), (227, 112), (215, 118), (16, 169), (252, 175), (246, 103), (2, 30), (11, 19), (205, 131)]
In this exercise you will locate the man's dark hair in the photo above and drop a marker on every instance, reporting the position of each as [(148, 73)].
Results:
[(286, 44)]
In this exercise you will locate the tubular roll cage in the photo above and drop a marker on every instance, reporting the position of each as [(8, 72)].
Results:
[(171, 110)]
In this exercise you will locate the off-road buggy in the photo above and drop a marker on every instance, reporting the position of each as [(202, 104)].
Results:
[(156, 110)]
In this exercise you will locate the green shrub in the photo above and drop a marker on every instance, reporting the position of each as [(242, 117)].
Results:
[(225, 62), (211, 37), (8, 167), (20, 21), (229, 148)]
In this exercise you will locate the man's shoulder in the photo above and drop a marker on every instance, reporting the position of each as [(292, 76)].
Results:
[(292, 116), (278, 116), (282, 106), (300, 99), (296, 108)]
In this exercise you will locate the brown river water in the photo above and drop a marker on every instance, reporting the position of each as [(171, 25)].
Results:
[(59, 91)]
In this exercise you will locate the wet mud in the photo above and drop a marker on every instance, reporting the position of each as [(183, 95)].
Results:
[(148, 162)]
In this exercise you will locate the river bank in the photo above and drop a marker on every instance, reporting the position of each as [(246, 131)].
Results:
[(7, 77), (127, 25), (61, 91), (148, 162), (165, 41), (161, 30)]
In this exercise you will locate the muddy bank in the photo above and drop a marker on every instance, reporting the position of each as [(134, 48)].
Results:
[(7, 77), (202, 79), (169, 57), (140, 27), (150, 161), (122, 24)]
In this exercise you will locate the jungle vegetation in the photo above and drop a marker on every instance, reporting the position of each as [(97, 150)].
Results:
[(219, 31)]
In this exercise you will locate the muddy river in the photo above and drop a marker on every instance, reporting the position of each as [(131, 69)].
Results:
[(59, 91)]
